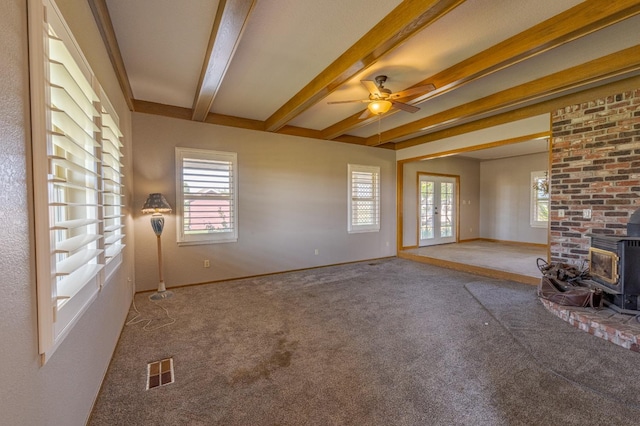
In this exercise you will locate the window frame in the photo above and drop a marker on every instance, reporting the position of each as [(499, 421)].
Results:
[(535, 199), (353, 228), (206, 155)]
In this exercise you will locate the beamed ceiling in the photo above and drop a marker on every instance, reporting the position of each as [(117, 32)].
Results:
[(273, 65)]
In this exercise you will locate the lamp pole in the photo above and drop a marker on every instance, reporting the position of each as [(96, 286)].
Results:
[(157, 204), (157, 223)]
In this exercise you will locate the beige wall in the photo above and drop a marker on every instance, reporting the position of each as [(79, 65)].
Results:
[(469, 172), (292, 201), (505, 198), (61, 392)]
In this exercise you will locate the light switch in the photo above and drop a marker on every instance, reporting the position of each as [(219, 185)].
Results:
[(586, 213)]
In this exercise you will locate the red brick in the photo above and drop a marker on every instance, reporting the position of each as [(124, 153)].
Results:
[(600, 168)]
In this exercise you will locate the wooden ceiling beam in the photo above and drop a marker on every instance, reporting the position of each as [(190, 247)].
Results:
[(622, 63), (105, 26), (155, 108), (404, 21), (579, 21), (186, 114), (631, 83), (229, 24), (181, 113)]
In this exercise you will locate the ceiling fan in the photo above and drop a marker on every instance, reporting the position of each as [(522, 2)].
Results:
[(382, 99)]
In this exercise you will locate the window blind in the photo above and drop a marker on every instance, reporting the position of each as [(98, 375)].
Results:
[(77, 177), (74, 172), (364, 198), (112, 186), (207, 195)]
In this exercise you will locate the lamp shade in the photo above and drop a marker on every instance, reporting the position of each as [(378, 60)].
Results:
[(156, 203), (379, 107)]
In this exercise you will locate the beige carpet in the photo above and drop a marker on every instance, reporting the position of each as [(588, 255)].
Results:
[(388, 342), (508, 257)]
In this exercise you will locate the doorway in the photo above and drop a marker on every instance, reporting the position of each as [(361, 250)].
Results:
[(437, 209)]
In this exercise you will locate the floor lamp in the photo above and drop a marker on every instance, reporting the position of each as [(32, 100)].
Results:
[(157, 204)]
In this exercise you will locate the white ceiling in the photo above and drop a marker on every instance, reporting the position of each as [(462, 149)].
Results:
[(287, 43), (163, 43)]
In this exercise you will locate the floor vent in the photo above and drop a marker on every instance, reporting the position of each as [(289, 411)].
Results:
[(159, 373)]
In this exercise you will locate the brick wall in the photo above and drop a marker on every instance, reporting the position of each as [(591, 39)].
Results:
[(595, 165)]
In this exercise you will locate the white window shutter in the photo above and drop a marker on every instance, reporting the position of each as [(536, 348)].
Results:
[(364, 198), (76, 175), (207, 188)]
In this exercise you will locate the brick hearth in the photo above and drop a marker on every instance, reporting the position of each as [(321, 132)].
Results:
[(623, 330)]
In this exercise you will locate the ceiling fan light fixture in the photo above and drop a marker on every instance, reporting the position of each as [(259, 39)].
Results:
[(379, 106)]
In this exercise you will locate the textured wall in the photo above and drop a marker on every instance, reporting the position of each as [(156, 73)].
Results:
[(62, 391), (18, 350), (596, 165)]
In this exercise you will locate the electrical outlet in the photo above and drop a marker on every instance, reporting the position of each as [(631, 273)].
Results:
[(207, 264), (586, 213)]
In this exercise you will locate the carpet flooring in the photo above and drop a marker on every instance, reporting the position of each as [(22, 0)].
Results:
[(508, 257), (386, 342)]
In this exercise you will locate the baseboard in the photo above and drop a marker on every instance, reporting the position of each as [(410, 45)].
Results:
[(267, 274)]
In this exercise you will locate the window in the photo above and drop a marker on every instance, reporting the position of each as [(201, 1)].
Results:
[(206, 184), (364, 198), (539, 199), (76, 146)]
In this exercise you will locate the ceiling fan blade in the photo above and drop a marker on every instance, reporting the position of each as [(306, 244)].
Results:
[(372, 87), (418, 90), (405, 107), (349, 102), (365, 114)]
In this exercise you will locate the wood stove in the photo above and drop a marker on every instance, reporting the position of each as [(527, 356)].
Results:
[(614, 266)]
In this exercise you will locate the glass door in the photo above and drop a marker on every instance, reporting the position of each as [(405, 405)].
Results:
[(437, 215)]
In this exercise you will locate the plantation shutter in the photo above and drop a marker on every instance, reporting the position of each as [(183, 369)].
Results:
[(207, 196), (112, 187), (364, 198), (74, 167), (77, 179)]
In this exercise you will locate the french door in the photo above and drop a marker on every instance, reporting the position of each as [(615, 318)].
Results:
[(437, 196)]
